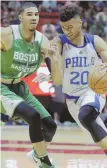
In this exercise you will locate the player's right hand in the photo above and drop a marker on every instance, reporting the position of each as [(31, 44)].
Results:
[(41, 77), (54, 52)]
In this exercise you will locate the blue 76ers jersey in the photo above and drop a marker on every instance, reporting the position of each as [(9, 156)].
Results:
[(77, 63)]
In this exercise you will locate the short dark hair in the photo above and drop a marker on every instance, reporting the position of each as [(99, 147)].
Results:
[(68, 12), (26, 5)]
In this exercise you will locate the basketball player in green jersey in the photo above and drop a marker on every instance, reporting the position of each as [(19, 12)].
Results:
[(22, 51)]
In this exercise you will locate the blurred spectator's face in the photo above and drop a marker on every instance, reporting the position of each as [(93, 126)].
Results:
[(87, 14), (5, 22), (98, 8), (105, 10), (49, 32), (29, 18), (72, 27)]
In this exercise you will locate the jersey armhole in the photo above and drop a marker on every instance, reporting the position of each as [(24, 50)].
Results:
[(13, 37), (41, 58), (92, 36), (91, 39)]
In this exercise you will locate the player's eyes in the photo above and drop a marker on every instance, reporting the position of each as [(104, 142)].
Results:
[(67, 28), (29, 14), (70, 27)]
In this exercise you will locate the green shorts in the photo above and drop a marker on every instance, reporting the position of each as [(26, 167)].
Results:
[(13, 94)]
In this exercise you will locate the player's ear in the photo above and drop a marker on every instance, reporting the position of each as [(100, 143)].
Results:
[(20, 18), (80, 21)]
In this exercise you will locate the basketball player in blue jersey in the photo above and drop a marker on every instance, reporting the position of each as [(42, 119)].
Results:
[(80, 51)]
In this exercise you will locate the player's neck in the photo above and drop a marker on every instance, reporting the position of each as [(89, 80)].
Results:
[(27, 34), (79, 40)]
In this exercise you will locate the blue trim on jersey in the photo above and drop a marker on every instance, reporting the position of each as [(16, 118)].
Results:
[(96, 103), (72, 97), (88, 38)]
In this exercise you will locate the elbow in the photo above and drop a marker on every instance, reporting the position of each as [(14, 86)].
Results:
[(57, 82), (56, 78)]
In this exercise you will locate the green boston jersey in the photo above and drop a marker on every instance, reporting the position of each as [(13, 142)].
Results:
[(23, 58)]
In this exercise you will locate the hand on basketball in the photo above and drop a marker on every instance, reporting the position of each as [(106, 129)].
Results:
[(41, 77), (101, 65), (97, 78)]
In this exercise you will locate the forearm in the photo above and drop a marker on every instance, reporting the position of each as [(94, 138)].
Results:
[(56, 71)]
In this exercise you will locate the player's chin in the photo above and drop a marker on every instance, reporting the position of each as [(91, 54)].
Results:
[(32, 29), (71, 37)]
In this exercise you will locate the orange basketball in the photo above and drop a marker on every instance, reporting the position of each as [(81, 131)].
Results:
[(97, 78)]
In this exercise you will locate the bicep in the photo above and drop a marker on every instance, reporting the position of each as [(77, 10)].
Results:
[(2, 45), (45, 47), (6, 38), (101, 47), (3, 38)]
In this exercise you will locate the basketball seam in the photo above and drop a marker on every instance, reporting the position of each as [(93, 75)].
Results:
[(98, 81)]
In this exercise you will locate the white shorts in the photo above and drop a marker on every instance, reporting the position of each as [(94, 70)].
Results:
[(89, 98)]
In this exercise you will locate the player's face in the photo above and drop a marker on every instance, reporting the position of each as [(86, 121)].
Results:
[(72, 28), (30, 18)]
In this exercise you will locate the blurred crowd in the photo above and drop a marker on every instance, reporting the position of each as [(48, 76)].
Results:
[(93, 13)]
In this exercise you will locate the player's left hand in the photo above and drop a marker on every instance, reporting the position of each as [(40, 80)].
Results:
[(41, 77)]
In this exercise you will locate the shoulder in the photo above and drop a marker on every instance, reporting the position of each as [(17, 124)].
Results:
[(99, 43), (5, 31), (6, 38), (97, 38), (38, 33)]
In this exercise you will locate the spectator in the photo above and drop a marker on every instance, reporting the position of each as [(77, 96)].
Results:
[(105, 29), (97, 28), (49, 31), (14, 5), (91, 12), (49, 6), (102, 15)]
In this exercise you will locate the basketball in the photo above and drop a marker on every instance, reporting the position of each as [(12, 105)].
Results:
[(97, 78)]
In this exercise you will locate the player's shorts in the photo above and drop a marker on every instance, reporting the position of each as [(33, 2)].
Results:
[(13, 94), (89, 98)]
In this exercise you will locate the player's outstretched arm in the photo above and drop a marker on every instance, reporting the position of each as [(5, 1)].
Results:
[(52, 50), (56, 61), (6, 38), (101, 47), (45, 47)]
